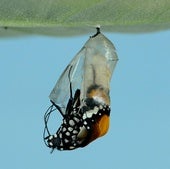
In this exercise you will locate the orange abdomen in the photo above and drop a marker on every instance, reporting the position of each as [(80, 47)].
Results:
[(99, 128)]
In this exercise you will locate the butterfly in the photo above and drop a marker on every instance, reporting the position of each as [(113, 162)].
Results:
[(81, 96)]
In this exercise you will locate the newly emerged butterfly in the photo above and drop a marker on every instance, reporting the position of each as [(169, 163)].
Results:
[(81, 95)]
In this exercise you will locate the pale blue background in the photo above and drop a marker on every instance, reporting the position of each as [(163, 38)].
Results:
[(139, 135)]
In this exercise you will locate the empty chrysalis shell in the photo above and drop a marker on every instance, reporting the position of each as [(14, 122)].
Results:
[(81, 95)]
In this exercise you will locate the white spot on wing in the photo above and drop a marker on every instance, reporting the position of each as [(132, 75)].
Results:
[(64, 129), (66, 141), (50, 143), (76, 119), (67, 133), (51, 137), (100, 107), (70, 129), (60, 135), (90, 113), (71, 147), (75, 132), (72, 123), (88, 127), (73, 137), (84, 116), (61, 144), (85, 122)]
